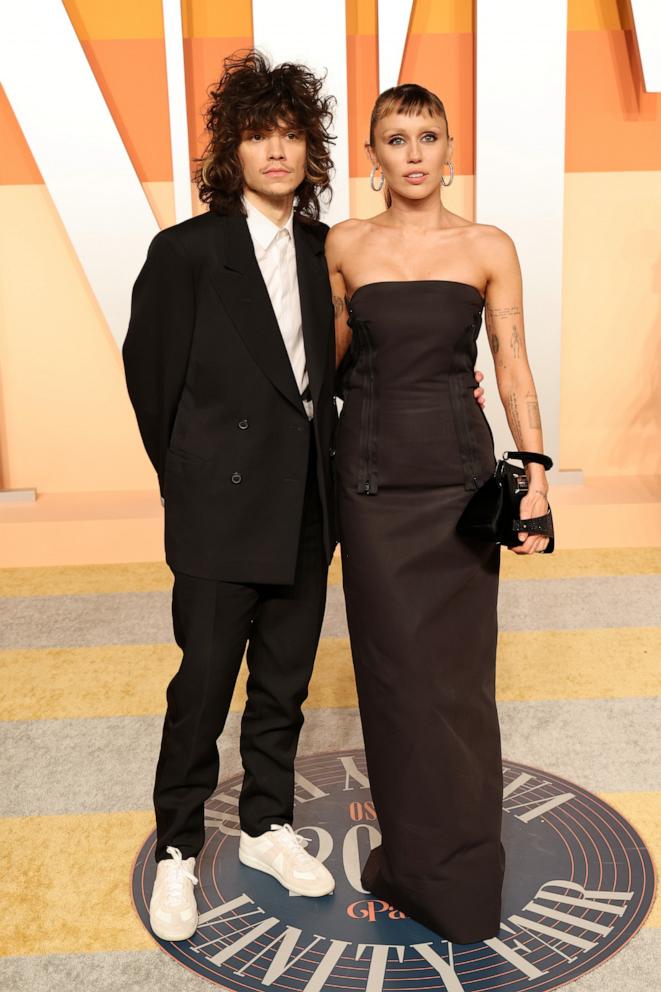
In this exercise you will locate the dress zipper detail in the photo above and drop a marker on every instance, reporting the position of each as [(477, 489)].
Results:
[(367, 483)]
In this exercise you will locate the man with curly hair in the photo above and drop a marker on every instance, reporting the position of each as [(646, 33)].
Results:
[(230, 361)]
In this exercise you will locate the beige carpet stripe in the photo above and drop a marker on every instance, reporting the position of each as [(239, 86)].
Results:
[(67, 877), (612, 663), (68, 882), (77, 580), (156, 576), (130, 680)]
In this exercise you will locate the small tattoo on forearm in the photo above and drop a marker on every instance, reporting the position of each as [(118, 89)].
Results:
[(534, 418), (515, 424), (495, 343), (515, 341), (338, 305)]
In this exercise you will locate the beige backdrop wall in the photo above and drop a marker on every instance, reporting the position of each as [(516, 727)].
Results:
[(65, 421)]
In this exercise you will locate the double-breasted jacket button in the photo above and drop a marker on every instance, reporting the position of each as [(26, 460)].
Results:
[(236, 478), (243, 425)]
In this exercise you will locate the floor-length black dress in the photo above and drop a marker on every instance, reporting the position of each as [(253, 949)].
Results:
[(412, 446)]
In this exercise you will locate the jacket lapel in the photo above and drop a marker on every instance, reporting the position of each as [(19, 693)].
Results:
[(238, 280), (315, 297)]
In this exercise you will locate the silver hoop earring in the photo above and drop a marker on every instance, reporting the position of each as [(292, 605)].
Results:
[(449, 183), (377, 189)]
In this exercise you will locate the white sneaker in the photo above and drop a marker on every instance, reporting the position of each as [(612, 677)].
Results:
[(279, 852), (172, 909)]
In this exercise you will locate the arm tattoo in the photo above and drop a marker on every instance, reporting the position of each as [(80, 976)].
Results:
[(515, 341), (515, 424), (338, 305), (503, 311), (534, 418), (496, 352)]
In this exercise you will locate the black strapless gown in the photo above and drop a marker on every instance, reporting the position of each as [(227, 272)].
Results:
[(412, 446)]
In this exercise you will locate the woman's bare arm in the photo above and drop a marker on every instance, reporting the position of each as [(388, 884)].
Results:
[(333, 248), (505, 329)]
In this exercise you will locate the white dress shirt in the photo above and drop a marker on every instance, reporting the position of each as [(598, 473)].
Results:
[(276, 255)]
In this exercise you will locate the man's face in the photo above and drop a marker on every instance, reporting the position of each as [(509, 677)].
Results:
[(273, 161)]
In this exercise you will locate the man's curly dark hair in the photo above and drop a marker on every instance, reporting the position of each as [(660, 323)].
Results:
[(251, 94)]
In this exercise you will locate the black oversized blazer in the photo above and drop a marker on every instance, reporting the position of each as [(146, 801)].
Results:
[(217, 402)]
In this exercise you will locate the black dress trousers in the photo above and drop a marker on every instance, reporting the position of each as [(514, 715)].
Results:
[(213, 622)]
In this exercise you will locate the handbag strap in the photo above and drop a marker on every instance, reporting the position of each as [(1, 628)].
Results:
[(535, 525), (530, 456)]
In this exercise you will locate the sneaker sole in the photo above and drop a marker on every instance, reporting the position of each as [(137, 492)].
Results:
[(172, 935), (250, 862)]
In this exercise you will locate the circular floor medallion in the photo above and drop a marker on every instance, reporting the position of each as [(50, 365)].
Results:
[(579, 884)]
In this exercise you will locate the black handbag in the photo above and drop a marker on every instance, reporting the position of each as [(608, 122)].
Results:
[(492, 514)]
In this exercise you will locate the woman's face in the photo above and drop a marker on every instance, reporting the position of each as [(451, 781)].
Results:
[(411, 150)]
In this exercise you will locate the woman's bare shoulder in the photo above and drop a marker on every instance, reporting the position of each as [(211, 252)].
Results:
[(492, 235), (346, 232), (493, 245)]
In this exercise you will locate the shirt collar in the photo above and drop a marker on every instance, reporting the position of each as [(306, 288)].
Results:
[(262, 229)]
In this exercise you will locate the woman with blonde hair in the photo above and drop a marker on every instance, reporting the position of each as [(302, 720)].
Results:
[(409, 288)]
